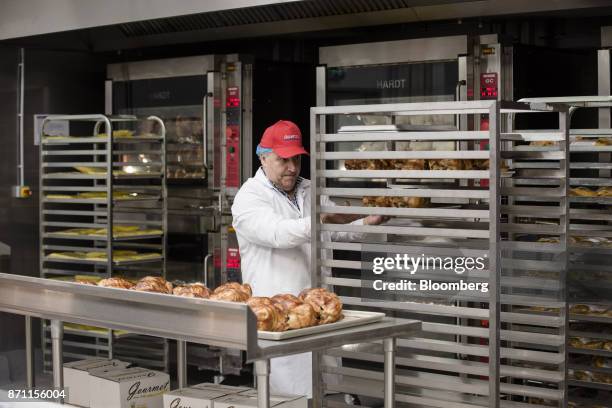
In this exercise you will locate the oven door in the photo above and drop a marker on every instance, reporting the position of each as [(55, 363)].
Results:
[(406, 71), (179, 101), (187, 105)]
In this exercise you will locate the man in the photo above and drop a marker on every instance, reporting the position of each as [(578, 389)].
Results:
[(272, 222)]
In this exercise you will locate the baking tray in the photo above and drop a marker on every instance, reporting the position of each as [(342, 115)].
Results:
[(351, 318), (102, 237)]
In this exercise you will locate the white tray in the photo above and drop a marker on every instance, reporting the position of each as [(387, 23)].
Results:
[(351, 318)]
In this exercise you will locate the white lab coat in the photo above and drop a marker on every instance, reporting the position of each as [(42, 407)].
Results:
[(274, 240)]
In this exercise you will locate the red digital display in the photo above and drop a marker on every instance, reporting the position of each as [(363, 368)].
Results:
[(233, 98), (488, 92), (232, 260), (488, 85), (232, 141), (232, 156)]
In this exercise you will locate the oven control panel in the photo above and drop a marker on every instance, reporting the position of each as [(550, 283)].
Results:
[(488, 85), (232, 142)]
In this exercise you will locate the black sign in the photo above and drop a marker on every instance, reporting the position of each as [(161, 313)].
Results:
[(148, 93), (389, 81)]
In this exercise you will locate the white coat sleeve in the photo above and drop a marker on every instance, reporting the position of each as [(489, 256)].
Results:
[(341, 235), (256, 221)]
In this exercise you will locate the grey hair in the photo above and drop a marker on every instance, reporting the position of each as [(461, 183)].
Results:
[(262, 155)]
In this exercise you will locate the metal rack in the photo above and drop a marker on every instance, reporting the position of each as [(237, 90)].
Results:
[(203, 321), (468, 338), (590, 274), (103, 193)]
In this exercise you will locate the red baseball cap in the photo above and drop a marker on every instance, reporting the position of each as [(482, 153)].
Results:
[(284, 138)]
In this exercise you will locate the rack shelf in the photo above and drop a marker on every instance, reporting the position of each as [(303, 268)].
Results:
[(590, 280), (486, 212), (95, 180)]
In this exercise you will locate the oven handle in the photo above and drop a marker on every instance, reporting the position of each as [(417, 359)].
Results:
[(206, 258), (460, 83), (205, 130)]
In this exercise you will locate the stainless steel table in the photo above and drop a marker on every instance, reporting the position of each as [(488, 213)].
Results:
[(387, 329), (222, 324)]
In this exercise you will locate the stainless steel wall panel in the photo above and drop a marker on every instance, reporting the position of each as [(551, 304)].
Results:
[(390, 52)]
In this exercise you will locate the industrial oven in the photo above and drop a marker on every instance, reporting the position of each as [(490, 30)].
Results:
[(455, 68), (417, 70), (205, 104), (445, 69)]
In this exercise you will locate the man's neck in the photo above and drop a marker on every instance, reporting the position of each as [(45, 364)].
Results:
[(289, 193)]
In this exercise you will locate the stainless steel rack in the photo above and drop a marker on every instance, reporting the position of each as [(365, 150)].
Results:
[(476, 349), (590, 280), (222, 324), (102, 189)]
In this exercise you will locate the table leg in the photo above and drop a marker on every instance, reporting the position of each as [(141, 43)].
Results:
[(317, 380), (181, 363), (389, 348), (57, 335), (262, 371), (29, 348)]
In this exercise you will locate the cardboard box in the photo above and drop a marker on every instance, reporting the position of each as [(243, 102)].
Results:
[(192, 398), (76, 377), (249, 400), (128, 388), (228, 389)]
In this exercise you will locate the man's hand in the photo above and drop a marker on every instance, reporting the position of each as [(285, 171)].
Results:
[(348, 218), (375, 219), (339, 218)]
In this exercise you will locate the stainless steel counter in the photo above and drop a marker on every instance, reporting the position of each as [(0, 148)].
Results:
[(388, 327), (215, 323)]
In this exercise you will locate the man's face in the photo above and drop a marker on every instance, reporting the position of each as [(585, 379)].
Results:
[(282, 172)]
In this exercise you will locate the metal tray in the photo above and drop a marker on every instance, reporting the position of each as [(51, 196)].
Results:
[(351, 318), (102, 237)]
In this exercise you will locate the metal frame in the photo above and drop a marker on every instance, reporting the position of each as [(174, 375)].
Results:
[(222, 324), (213, 202), (240, 75), (204, 65), (162, 68), (603, 84), (394, 52), (98, 152), (486, 234), (595, 258)]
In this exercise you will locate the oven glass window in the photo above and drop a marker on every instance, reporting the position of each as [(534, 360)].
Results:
[(391, 83), (179, 103)]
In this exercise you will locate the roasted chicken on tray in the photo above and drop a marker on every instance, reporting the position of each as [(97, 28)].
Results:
[(155, 284), (232, 292), (314, 306), (195, 290), (399, 202), (270, 317), (327, 305), (116, 283), (299, 314)]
